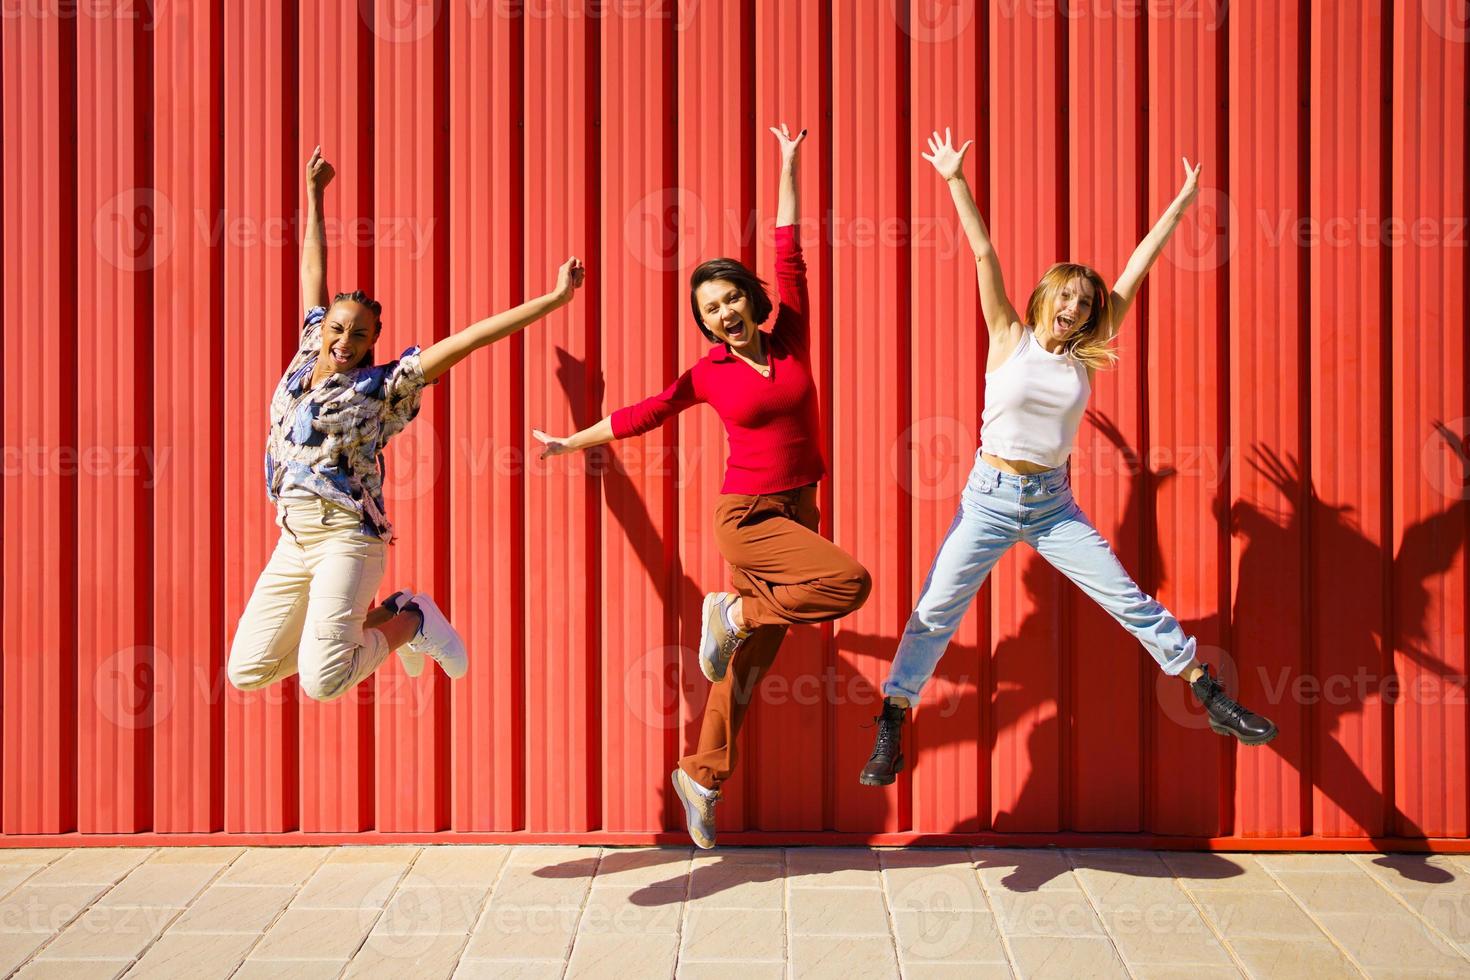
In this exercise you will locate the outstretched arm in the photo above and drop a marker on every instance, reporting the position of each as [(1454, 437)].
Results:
[(442, 356), (1125, 290), (786, 204), (632, 420), (593, 435), (319, 174), (999, 313)]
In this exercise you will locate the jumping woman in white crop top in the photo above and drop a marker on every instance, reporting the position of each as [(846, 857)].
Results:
[(1038, 377)]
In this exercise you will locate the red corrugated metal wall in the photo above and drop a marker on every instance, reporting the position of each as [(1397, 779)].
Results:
[(1282, 455)]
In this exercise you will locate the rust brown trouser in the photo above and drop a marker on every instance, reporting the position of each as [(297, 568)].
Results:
[(785, 573)]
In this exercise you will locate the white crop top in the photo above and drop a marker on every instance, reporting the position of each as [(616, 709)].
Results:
[(1034, 404)]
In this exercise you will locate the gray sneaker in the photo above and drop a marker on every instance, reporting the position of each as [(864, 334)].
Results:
[(699, 808), (717, 641)]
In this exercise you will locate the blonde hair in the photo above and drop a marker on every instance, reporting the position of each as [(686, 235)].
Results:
[(1091, 343)]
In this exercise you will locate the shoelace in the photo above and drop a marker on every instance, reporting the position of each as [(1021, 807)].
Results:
[(887, 734), (1217, 698)]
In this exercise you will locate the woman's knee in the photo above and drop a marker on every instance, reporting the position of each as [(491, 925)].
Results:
[(249, 666), (327, 683), (855, 584)]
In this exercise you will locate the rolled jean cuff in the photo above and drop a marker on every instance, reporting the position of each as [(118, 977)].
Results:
[(1175, 665)]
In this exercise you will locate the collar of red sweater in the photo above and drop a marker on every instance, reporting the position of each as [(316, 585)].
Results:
[(721, 351)]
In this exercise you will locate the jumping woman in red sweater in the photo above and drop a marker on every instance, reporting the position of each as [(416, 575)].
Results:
[(783, 571)]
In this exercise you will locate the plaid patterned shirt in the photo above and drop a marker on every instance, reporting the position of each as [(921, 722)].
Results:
[(328, 441)]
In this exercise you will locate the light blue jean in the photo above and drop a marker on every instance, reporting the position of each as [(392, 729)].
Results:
[(997, 510)]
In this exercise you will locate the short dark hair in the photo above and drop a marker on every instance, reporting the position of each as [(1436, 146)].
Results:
[(730, 270), (363, 299)]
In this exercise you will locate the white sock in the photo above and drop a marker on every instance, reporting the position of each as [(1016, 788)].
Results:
[(728, 613), (702, 790)]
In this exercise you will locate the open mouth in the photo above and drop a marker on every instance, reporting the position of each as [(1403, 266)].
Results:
[(735, 331), (341, 358), (1064, 324)]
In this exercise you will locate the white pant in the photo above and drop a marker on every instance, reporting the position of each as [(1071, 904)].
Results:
[(307, 610)]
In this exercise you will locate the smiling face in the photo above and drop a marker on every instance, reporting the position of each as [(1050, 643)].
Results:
[(348, 333), (726, 311), (1071, 308)]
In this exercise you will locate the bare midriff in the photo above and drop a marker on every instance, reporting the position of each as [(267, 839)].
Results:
[(1020, 467)]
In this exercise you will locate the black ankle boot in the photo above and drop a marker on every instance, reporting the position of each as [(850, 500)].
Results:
[(1227, 717), (886, 761)]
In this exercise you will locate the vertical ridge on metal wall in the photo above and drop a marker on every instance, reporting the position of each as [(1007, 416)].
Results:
[(716, 172), (334, 59), (948, 62), (411, 274), (870, 362), (1348, 614), (1266, 466), (1105, 99), (1429, 418), (40, 422), (262, 328), (1185, 375), (789, 728), (563, 358), (114, 437), (189, 623), (488, 458), (636, 287), (1028, 226)]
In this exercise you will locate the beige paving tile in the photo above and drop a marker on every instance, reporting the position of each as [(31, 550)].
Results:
[(1134, 864), (234, 909), (274, 866), (739, 855), (1021, 870), (923, 857), (73, 969), (512, 933), (217, 856), (1217, 872), (31, 855), (533, 887), (1260, 914), (1321, 863), (832, 867), (161, 886), (918, 889), (632, 910), (572, 859), (1446, 909), (837, 912), (179, 956), (734, 934), (289, 970), (956, 971), (400, 856), (458, 866), (1046, 913), (843, 958), (643, 865), (1106, 888), (1163, 934), (951, 935), (348, 886), (1322, 893), (1040, 958), (45, 908), (615, 955), (16, 948), (1415, 872), (422, 957), (510, 970), (108, 934), (315, 934), (1391, 941), (730, 970), (749, 886), (92, 866), (1272, 958), (13, 875), (432, 911), (1192, 971)]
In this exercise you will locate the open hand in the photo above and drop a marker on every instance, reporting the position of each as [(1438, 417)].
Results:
[(947, 160), (554, 445), (788, 142)]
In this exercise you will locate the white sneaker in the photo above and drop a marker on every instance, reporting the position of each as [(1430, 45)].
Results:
[(439, 639), (410, 655)]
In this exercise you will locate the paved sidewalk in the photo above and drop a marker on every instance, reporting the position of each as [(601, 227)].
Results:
[(847, 913)]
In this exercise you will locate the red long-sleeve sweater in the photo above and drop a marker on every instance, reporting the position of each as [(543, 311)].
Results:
[(772, 423)]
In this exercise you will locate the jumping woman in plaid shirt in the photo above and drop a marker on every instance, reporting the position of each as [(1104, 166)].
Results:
[(331, 415)]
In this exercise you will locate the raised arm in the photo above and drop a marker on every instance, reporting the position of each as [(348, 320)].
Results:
[(787, 212), (1125, 290), (791, 321), (950, 162), (448, 352), (319, 174)]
